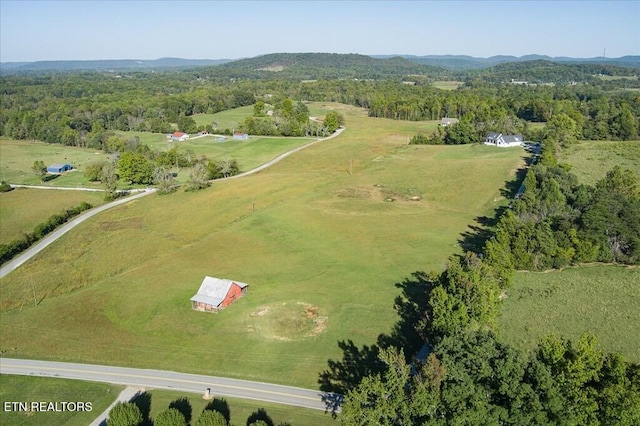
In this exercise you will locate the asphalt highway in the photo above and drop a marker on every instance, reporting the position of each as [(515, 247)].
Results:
[(159, 379)]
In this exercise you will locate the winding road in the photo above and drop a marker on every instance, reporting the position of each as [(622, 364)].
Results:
[(28, 254), (159, 379)]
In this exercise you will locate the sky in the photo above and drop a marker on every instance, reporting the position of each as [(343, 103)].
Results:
[(120, 29)]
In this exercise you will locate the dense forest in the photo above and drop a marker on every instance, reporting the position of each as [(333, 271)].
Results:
[(76, 109)]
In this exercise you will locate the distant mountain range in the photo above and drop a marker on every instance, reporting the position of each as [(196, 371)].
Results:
[(109, 64), (451, 62), (463, 62)]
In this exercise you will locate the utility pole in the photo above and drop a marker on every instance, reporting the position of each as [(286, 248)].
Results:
[(33, 287)]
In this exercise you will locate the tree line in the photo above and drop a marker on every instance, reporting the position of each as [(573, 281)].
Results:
[(77, 109), (10, 250), (443, 363), (180, 413)]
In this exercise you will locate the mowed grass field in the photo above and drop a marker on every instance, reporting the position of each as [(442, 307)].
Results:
[(599, 299), (22, 209), (17, 157), (249, 154), (36, 389), (591, 160), (229, 119), (321, 237)]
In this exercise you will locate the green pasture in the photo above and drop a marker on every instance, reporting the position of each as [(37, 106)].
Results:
[(591, 160), (17, 157), (600, 299), (229, 119), (22, 209), (447, 84), (35, 389), (321, 237), (251, 153)]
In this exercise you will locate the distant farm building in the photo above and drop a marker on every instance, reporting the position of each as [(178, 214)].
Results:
[(504, 141), (240, 136), (179, 136), (216, 294), (59, 168), (202, 133), (446, 121)]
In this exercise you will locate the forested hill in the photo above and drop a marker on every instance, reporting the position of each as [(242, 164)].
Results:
[(464, 62), (542, 71), (106, 65), (315, 66)]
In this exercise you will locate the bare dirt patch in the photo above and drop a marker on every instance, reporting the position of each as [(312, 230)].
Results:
[(287, 321)]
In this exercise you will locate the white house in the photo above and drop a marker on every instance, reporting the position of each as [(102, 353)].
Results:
[(503, 141), (179, 136)]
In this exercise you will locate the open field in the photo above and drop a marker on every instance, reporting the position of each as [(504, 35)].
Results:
[(229, 119), (251, 153), (17, 157), (447, 84), (28, 389), (591, 160), (599, 299), (22, 209), (329, 230)]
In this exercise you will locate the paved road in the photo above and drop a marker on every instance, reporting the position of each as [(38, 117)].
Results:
[(22, 258), (158, 379)]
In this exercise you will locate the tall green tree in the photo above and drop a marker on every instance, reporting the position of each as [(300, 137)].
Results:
[(135, 168), (39, 169), (125, 414), (170, 417)]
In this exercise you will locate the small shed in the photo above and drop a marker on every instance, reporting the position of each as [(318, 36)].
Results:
[(240, 136), (59, 168), (216, 294), (446, 121)]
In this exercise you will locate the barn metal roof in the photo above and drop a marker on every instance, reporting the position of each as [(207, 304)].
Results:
[(212, 291)]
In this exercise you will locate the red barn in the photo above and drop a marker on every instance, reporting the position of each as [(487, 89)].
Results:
[(215, 294)]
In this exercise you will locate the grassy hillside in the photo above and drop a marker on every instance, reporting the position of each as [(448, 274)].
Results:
[(600, 299), (22, 209), (321, 237), (591, 160)]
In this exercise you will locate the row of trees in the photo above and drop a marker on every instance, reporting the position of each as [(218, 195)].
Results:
[(179, 413), (136, 163), (10, 250)]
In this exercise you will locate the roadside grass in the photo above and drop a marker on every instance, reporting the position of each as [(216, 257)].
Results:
[(241, 409), (591, 160), (600, 299), (22, 209), (331, 227), (35, 389), (17, 157)]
